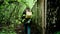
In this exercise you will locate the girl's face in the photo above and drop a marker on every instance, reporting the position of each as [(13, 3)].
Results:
[(27, 10)]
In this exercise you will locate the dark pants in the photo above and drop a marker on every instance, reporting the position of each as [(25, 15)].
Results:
[(27, 28)]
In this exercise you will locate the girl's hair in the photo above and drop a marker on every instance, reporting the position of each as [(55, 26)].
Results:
[(28, 8)]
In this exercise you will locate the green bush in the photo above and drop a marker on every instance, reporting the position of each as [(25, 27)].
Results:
[(11, 12)]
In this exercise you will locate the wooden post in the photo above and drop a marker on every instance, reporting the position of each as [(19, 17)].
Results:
[(43, 4), (43, 17), (42, 10)]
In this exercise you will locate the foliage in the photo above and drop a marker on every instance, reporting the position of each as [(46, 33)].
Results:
[(11, 12), (58, 32)]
